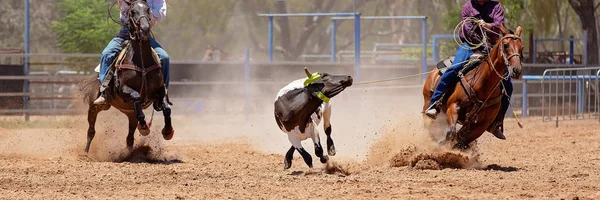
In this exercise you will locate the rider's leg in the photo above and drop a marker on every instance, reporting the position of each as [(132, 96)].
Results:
[(449, 79), (498, 126), (164, 59), (108, 55)]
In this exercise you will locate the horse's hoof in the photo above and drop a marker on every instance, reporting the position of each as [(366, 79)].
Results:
[(168, 135), (331, 150), (144, 131), (461, 146), (324, 159)]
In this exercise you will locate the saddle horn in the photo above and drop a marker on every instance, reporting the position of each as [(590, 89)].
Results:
[(307, 72)]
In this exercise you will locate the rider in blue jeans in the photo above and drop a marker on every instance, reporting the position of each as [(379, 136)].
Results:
[(158, 10), (491, 16)]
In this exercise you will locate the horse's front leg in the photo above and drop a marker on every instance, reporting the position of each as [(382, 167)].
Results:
[(132, 125), (142, 126), (452, 120), (93, 111), (168, 130)]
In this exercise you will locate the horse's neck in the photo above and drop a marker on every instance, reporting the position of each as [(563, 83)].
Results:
[(142, 53), (499, 64), (487, 78)]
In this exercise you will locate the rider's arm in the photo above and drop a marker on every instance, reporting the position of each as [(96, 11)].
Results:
[(158, 8), (467, 30), (498, 16)]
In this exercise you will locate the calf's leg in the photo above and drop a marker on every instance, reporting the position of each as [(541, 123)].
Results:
[(327, 127), (287, 162), (318, 148), (296, 143)]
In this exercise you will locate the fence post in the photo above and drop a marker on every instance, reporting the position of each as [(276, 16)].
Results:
[(270, 38), (571, 49), (534, 53), (525, 99), (357, 47), (585, 50), (424, 50), (580, 97), (333, 39), (246, 81), (435, 49), (26, 63)]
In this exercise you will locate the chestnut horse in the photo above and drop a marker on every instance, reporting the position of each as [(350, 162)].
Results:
[(475, 101)]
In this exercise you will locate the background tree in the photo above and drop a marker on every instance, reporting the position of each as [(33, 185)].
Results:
[(84, 28), (586, 9)]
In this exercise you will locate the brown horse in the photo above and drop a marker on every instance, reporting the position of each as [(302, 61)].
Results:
[(138, 81), (475, 101)]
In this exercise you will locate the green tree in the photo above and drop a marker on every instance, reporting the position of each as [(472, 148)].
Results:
[(85, 27)]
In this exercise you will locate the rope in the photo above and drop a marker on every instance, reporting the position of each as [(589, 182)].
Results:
[(510, 104), (391, 79), (399, 78), (461, 25), (151, 118)]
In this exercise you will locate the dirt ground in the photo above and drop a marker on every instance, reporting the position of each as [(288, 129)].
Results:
[(384, 156)]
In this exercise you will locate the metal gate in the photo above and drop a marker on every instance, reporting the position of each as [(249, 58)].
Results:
[(570, 94)]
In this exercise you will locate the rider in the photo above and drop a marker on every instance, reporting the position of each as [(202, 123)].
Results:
[(158, 10), (490, 15)]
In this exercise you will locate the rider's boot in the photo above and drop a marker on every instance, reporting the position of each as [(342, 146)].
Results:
[(432, 111), (497, 129), (101, 100)]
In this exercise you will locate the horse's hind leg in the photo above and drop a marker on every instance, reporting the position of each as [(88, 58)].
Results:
[(168, 130), (142, 126), (93, 111)]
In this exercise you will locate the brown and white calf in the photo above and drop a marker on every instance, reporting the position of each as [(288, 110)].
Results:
[(299, 108)]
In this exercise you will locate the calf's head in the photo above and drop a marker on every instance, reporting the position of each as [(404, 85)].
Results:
[(326, 86)]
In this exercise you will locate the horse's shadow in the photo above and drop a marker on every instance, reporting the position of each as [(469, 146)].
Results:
[(143, 155), (495, 167), (296, 173)]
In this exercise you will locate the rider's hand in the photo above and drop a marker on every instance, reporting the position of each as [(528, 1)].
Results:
[(484, 24)]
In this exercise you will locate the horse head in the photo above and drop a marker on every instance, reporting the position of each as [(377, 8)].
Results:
[(326, 84), (139, 19), (512, 50)]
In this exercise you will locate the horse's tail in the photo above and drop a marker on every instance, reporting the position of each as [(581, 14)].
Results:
[(90, 89)]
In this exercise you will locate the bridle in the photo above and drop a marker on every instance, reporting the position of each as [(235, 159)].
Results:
[(506, 58), (135, 22)]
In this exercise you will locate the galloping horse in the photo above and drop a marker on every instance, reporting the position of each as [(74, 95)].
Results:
[(475, 101), (138, 81)]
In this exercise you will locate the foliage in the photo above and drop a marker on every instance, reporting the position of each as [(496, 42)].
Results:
[(80, 26), (85, 28)]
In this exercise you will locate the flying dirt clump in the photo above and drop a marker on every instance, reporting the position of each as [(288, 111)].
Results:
[(434, 159), (406, 142), (333, 167)]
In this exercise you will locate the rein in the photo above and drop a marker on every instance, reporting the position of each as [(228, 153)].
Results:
[(135, 37), (471, 92)]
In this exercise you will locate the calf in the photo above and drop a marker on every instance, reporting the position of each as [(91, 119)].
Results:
[(299, 108)]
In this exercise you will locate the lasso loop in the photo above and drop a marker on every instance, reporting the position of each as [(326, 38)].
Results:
[(472, 46)]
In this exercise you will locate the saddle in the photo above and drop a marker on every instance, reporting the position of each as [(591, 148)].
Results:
[(121, 57), (117, 64), (471, 63)]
